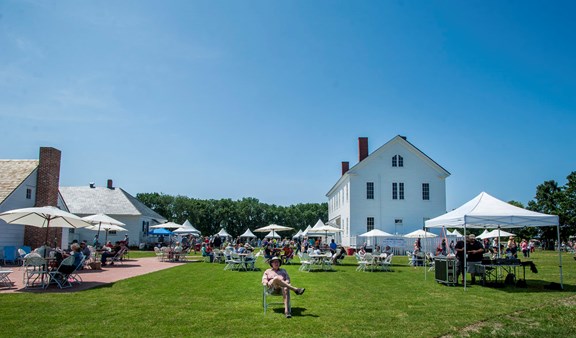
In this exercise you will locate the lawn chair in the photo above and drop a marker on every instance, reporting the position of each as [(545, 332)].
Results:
[(10, 254), (305, 262), (35, 272), (118, 257), (74, 276), (61, 275), (267, 292), (4, 278), (387, 263)]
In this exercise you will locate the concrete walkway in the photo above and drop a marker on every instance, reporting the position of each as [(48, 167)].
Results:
[(93, 278)]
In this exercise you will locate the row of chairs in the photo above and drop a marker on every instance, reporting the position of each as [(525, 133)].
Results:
[(369, 261), (13, 255)]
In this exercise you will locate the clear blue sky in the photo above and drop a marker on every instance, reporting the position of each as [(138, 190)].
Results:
[(264, 99)]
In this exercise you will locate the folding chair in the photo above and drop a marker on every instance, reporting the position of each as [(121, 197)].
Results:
[(4, 278), (61, 275), (10, 254), (267, 292), (387, 263), (35, 272), (118, 257)]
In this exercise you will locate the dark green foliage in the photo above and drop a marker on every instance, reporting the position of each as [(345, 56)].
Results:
[(209, 216)]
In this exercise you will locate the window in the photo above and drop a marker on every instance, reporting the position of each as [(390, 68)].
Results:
[(397, 191), (397, 161), (370, 190), (28, 193), (369, 223), (112, 232), (398, 221), (426, 191)]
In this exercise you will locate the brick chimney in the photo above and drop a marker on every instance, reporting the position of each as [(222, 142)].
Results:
[(345, 167), (362, 148), (110, 185), (47, 184), (48, 179)]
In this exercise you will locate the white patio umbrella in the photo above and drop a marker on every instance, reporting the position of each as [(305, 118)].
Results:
[(103, 220), (325, 229), (420, 234), (44, 217), (106, 228), (273, 228), (167, 225), (497, 233), (376, 233)]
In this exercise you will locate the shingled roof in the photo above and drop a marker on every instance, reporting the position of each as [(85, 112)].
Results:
[(13, 173), (88, 201)]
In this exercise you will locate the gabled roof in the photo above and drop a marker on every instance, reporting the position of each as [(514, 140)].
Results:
[(87, 201), (12, 175), (397, 139)]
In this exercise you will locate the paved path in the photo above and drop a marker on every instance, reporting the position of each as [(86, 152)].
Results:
[(93, 278)]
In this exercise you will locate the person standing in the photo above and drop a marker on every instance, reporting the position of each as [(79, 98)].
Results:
[(475, 251)]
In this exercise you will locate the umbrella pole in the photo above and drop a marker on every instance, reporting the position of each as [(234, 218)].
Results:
[(106, 239)]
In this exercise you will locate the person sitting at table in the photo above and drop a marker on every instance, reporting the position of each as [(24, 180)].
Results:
[(333, 246), (338, 255), (268, 252), (287, 255), (377, 250), (176, 251), (316, 251), (207, 252), (248, 247), (85, 250), (278, 282), (362, 251), (77, 253), (387, 251), (109, 244), (115, 249)]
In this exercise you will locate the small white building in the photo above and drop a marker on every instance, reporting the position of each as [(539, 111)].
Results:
[(395, 189), (114, 202)]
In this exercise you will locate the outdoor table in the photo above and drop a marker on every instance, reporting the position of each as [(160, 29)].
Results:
[(319, 261), (497, 272)]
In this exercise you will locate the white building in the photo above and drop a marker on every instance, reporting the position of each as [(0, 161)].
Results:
[(394, 189)]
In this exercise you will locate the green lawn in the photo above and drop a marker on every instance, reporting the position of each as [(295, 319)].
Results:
[(200, 299)]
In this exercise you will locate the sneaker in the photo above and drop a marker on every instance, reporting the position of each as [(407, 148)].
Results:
[(300, 291), (288, 315)]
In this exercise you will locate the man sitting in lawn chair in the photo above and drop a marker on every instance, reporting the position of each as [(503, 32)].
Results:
[(277, 282)]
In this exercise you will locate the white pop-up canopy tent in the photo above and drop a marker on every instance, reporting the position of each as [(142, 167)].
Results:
[(485, 211)]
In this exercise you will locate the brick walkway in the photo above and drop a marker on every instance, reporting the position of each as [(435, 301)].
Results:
[(93, 278)]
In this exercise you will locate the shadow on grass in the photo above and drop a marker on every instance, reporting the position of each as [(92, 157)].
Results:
[(296, 312)]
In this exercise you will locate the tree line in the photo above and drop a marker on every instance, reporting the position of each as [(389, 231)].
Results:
[(551, 198), (209, 216)]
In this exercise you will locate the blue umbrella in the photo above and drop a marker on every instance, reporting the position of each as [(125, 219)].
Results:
[(160, 231)]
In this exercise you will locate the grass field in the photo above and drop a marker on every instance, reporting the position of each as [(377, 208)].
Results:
[(201, 299)]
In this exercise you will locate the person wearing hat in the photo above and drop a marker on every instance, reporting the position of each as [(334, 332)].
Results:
[(278, 281)]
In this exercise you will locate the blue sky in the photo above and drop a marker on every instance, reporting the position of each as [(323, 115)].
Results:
[(264, 99)]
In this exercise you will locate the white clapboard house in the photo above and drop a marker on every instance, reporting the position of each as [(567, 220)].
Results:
[(395, 189)]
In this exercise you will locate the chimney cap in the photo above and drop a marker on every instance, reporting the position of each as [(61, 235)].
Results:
[(92, 185)]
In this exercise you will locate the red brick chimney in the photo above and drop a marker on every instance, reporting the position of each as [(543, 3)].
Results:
[(362, 148), (47, 184), (345, 167), (110, 184)]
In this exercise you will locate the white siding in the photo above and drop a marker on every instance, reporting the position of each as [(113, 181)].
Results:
[(377, 168), (13, 234)]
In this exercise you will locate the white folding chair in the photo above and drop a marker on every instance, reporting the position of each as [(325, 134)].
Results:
[(35, 272), (387, 263), (267, 292), (4, 277)]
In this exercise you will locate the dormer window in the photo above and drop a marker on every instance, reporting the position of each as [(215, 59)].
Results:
[(397, 161)]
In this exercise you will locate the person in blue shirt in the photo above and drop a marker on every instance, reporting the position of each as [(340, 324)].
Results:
[(333, 246)]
